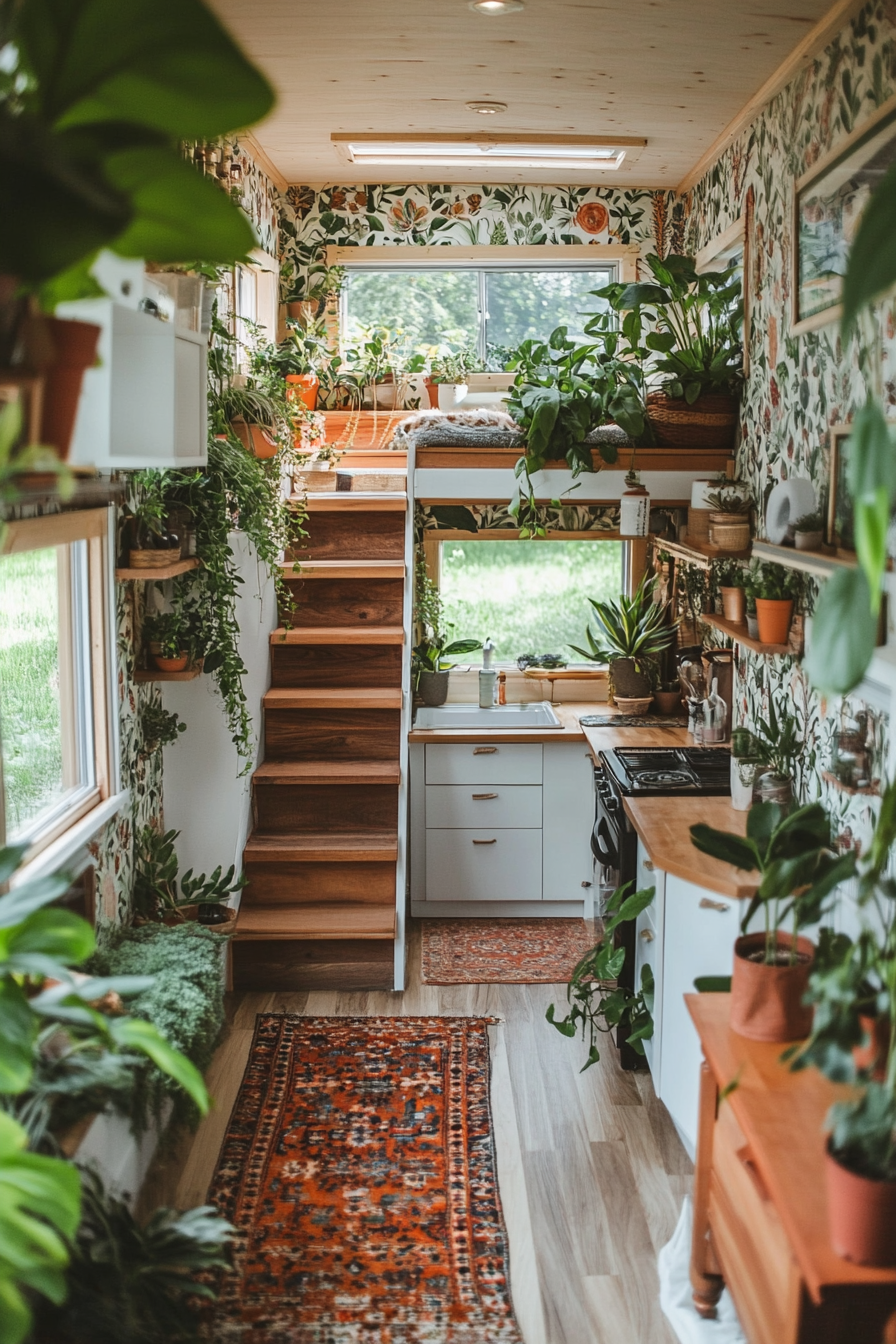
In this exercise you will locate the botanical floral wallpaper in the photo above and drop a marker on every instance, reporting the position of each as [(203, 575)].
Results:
[(258, 199), (495, 517), (370, 216), (798, 386)]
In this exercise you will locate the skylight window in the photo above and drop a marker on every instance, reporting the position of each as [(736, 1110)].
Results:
[(577, 152)]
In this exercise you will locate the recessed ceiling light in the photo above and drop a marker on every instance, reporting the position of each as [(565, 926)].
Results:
[(557, 153), (487, 109), (493, 7)]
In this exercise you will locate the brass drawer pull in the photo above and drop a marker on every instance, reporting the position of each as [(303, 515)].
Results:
[(481, 797), (486, 842), (707, 904), (484, 751), (647, 935)]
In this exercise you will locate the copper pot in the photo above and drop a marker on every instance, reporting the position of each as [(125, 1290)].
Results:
[(861, 1215), (767, 1001)]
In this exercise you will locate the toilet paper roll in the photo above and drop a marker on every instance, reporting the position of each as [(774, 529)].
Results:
[(788, 501)]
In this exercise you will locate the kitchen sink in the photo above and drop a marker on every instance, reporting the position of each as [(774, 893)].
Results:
[(498, 719)]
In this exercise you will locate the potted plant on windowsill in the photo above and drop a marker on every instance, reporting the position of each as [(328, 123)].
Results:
[(429, 668), (298, 359), (797, 873), (630, 635), (729, 518), (448, 377)]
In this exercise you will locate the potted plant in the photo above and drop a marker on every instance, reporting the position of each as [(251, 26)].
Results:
[(668, 697), (381, 369), (777, 744), (776, 590), (298, 359), (161, 897), (731, 588), (797, 873), (249, 406), (631, 634), (448, 377), (729, 518), (682, 330), (808, 532), (597, 1004), (428, 661), (167, 640), (746, 757)]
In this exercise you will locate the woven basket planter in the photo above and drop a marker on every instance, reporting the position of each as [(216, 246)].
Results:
[(730, 531), (709, 423), (153, 559)]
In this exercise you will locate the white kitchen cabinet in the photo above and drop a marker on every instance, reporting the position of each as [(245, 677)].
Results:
[(484, 763), (483, 865), (568, 810), (513, 806), (700, 927), (145, 402), (649, 944)]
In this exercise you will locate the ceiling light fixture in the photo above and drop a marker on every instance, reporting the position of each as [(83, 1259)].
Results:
[(559, 154), (487, 109), (495, 7)]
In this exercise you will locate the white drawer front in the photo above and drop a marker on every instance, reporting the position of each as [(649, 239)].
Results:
[(500, 805), (483, 865), (484, 763)]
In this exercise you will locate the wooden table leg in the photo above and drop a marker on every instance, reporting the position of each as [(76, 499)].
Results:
[(706, 1284)]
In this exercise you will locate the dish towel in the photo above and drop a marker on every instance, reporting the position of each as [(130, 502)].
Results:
[(673, 1263)]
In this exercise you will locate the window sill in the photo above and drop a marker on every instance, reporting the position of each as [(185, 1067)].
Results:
[(64, 849)]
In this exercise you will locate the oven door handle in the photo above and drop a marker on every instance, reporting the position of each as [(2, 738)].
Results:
[(603, 846)]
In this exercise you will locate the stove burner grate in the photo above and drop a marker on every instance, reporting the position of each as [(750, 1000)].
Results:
[(669, 779)]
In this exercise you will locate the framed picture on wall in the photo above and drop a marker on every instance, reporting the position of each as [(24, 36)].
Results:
[(840, 530), (828, 202)]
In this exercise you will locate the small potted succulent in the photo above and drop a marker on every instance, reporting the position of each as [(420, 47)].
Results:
[(729, 518), (631, 634), (798, 872), (808, 532)]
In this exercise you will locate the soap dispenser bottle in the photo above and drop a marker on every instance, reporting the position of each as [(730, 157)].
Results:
[(488, 680)]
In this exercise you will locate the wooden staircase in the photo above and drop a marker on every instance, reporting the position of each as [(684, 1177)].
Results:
[(322, 862)]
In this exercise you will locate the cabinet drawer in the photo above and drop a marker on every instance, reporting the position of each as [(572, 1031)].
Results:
[(484, 763), (516, 806), (483, 865), (748, 1236)]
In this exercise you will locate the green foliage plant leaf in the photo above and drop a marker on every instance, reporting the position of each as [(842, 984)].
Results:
[(134, 1034), (844, 633), (872, 483), (872, 261)]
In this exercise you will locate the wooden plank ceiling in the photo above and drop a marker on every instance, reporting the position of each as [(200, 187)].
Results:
[(673, 71)]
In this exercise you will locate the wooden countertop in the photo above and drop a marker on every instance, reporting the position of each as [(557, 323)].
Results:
[(782, 1117)]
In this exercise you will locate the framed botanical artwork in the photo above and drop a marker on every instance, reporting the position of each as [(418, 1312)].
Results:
[(840, 530), (828, 202)]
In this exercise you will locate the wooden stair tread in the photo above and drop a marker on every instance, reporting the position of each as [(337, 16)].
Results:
[(332, 920), (327, 697), (328, 772), (323, 847), (343, 569), (339, 634), (357, 501)]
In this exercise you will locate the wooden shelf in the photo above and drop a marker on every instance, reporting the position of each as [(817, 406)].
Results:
[(158, 572), (821, 563), (871, 791), (699, 553), (188, 674), (743, 636), (358, 501)]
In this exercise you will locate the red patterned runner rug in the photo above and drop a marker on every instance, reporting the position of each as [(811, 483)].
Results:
[(359, 1171), (503, 951)]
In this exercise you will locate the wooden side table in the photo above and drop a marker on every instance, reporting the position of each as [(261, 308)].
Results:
[(760, 1207)]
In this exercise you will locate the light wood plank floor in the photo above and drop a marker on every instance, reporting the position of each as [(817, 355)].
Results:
[(592, 1173)]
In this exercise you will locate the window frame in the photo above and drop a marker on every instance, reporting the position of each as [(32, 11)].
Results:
[(67, 828)]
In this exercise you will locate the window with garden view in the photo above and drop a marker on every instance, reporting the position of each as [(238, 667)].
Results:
[(489, 310), (527, 597)]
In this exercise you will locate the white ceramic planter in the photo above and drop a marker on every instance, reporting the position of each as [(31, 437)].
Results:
[(450, 394)]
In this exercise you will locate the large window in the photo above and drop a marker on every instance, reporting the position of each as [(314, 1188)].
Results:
[(53, 680), (527, 597), (489, 309)]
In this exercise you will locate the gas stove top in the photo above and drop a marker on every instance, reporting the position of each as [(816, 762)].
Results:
[(666, 771)]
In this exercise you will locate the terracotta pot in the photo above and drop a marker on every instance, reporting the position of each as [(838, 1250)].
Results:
[(177, 664), (432, 391), (734, 604), (774, 617), (303, 387), (861, 1215), (808, 541), (668, 702), (873, 1056), (627, 681), (766, 1001), (74, 345), (254, 439), (433, 688)]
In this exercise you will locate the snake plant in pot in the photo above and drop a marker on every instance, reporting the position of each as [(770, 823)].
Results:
[(798, 872), (631, 633)]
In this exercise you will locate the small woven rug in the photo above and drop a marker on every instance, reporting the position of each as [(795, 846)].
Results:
[(503, 951), (359, 1172)]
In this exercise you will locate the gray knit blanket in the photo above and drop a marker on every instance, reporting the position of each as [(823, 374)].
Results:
[(482, 429)]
